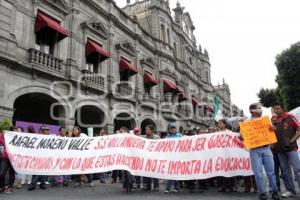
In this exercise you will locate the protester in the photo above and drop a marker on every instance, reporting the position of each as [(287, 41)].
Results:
[(226, 183), (117, 173), (137, 179), (191, 184), (5, 166), (148, 181), (26, 179), (249, 181), (127, 178), (261, 157), (76, 132), (66, 178), (103, 176), (287, 129), (19, 177), (44, 130), (172, 133)]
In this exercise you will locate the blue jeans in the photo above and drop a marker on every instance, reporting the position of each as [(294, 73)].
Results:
[(263, 158), (287, 160), (170, 183)]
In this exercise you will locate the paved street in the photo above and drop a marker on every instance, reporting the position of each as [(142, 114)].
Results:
[(113, 192)]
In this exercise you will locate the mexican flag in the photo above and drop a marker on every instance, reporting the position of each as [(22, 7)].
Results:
[(217, 111)]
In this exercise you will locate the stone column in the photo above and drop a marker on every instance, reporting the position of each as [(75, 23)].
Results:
[(68, 123)]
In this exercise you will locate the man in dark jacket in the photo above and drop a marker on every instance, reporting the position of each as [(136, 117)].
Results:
[(287, 130)]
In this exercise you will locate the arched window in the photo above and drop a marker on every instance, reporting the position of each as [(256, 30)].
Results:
[(162, 33)]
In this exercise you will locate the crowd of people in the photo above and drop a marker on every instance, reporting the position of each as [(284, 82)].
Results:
[(277, 160)]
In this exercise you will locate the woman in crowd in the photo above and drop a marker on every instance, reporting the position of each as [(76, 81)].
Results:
[(5, 166)]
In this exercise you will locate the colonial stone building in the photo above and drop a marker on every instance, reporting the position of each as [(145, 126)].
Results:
[(93, 64)]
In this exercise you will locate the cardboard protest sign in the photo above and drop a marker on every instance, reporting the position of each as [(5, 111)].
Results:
[(186, 158), (256, 132)]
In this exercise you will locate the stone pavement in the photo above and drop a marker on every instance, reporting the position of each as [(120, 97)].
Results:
[(113, 192)]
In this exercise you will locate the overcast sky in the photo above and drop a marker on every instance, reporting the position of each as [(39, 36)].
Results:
[(243, 38)]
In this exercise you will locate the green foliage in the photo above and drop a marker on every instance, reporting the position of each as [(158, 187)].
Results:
[(269, 96), (5, 124), (288, 79)]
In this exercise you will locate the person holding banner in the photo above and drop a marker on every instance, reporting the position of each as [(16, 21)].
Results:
[(287, 129), (262, 157), (226, 183), (137, 179), (65, 178), (148, 181), (36, 178), (172, 134), (103, 175), (115, 174), (5, 166), (77, 133)]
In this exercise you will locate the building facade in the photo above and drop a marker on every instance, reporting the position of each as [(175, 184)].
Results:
[(92, 64)]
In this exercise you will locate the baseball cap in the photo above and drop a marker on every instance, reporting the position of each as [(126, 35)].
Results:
[(172, 125), (45, 127)]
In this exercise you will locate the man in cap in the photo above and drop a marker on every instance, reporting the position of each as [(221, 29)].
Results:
[(172, 133)]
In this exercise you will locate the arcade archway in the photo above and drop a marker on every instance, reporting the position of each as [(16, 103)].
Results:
[(90, 119), (124, 120)]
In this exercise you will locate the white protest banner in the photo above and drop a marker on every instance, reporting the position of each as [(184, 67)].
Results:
[(187, 158)]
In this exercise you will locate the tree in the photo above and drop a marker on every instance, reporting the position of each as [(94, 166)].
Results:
[(5, 124), (269, 96), (288, 78)]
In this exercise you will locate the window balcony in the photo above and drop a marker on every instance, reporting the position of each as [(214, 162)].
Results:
[(126, 91), (45, 60), (93, 80), (147, 98)]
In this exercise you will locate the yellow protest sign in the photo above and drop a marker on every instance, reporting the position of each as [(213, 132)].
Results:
[(256, 132)]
